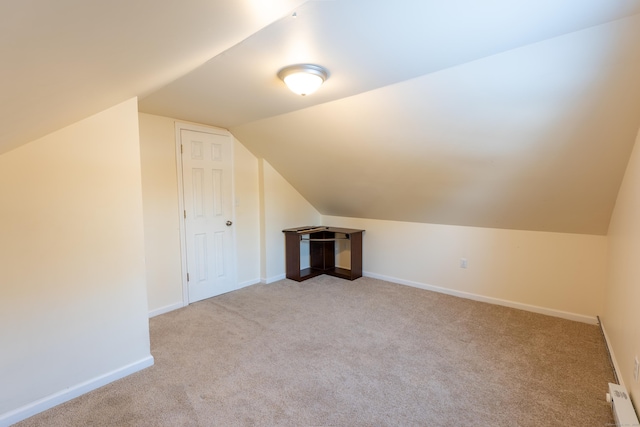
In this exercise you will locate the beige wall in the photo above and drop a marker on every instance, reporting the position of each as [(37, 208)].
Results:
[(247, 214), (282, 207), (621, 317), (162, 216), (551, 273), (73, 304)]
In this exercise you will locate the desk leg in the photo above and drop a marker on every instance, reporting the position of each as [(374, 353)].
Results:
[(356, 255), (292, 253)]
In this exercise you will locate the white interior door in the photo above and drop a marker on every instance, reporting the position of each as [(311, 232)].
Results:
[(207, 160)]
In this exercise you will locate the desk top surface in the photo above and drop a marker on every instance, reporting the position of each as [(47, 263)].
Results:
[(320, 228)]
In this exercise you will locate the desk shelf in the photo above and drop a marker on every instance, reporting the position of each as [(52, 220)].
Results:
[(322, 252)]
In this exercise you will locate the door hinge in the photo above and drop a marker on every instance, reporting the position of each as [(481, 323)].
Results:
[(185, 214), (187, 277), (181, 149)]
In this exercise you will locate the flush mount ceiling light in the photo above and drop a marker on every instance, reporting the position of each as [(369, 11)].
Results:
[(303, 79)]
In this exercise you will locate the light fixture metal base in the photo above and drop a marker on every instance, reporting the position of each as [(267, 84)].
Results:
[(303, 79)]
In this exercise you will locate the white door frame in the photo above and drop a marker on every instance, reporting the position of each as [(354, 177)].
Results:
[(183, 234)]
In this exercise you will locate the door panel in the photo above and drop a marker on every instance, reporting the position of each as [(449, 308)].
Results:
[(207, 173)]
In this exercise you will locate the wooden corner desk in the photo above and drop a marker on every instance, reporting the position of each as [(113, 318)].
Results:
[(322, 241)]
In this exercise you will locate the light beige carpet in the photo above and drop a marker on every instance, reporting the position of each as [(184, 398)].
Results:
[(329, 352)]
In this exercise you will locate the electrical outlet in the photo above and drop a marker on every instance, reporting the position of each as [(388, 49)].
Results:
[(463, 263), (636, 368)]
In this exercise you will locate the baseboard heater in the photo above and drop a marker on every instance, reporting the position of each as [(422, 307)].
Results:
[(623, 412)]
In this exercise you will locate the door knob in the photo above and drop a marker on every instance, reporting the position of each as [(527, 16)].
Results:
[(229, 223)]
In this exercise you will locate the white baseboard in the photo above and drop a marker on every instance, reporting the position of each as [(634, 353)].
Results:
[(616, 367), (249, 283), (165, 309), (273, 279), (535, 309), (67, 394)]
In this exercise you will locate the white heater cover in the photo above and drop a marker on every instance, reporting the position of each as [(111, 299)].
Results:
[(623, 412)]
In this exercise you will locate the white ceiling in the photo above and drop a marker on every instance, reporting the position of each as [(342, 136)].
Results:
[(64, 60), (536, 138), (495, 114), (365, 44)]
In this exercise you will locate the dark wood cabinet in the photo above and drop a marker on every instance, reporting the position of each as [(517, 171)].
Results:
[(322, 244)]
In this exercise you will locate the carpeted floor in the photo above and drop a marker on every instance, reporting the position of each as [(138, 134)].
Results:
[(329, 352)]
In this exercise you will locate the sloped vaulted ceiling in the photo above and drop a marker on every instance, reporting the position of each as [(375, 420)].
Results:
[(536, 138), (64, 60), (491, 114), (497, 113)]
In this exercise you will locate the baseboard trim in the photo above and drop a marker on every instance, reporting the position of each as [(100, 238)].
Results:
[(165, 309), (612, 355), (272, 279), (248, 283), (65, 395), (481, 298)]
